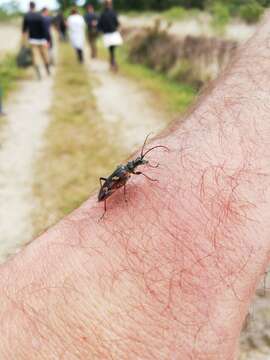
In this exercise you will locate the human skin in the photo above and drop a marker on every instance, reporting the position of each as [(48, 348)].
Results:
[(170, 274)]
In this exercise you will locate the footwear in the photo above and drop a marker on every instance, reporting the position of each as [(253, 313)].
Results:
[(48, 69), (38, 72), (114, 68)]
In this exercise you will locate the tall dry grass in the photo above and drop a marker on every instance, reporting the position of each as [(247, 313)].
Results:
[(78, 149)]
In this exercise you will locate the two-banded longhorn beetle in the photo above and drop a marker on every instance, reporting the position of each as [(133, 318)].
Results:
[(122, 174)]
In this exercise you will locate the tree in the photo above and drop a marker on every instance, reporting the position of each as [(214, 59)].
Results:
[(64, 4)]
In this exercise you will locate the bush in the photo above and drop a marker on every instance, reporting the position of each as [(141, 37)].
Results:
[(221, 15), (179, 13), (175, 13), (185, 72), (251, 12)]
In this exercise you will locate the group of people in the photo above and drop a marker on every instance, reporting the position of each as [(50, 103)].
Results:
[(107, 23), (37, 32)]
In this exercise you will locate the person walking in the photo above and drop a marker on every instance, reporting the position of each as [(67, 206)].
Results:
[(91, 20), (34, 30), (48, 23), (61, 26), (76, 28), (108, 24)]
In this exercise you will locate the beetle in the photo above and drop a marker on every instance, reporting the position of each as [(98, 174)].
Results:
[(122, 174)]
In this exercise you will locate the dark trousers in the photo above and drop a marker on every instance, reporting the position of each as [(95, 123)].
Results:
[(80, 55), (92, 38), (112, 55)]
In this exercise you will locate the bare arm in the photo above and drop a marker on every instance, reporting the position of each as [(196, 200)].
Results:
[(171, 274)]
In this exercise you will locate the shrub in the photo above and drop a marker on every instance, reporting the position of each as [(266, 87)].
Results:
[(251, 12), (175, 13), (221, 15), (183, 71)]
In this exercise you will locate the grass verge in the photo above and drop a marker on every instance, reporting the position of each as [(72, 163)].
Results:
[(78, 149), (172, 96), (9, 74), (175, 13), (178, 13)]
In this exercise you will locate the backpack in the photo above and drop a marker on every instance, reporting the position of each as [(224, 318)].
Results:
[(24, 58)]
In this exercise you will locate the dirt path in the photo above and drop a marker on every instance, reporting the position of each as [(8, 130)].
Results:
[(21, 139), (126, 105), (9, 38)]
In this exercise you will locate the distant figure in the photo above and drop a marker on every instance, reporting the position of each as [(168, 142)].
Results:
[(48, 23), (91, 20), (35, 31), (108, 24), (60, 24), (76, 28)]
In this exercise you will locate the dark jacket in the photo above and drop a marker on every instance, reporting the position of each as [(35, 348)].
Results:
[(60, 22), (47, 23), (91, 20), (34, 25), (108, 21)]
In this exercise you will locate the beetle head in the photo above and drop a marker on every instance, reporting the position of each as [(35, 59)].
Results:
[(131, 165), (141, 161)]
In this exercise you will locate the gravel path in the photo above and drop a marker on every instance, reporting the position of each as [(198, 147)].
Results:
[(21, 139), (9, 38), (126, 105)]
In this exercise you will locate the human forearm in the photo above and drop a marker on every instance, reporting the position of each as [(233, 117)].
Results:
[(170, 274), (154, 272)]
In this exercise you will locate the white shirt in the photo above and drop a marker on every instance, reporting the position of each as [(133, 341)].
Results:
[(76, 27)]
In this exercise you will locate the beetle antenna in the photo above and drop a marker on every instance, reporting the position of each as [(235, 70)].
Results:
[(145, 141), (155, 147)]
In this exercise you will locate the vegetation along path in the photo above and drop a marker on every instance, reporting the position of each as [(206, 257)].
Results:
[(125, 106)]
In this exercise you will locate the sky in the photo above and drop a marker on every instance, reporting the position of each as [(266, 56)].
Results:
[(40, 3)]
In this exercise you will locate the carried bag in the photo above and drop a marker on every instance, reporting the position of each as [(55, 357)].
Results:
[(24, 58), (112, 39)]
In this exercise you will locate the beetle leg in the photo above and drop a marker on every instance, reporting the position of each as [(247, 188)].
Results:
[(140, 173), (105, 209), (125, 193)]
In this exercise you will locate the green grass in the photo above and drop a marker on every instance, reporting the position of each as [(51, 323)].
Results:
[(175, 13), (9, 74), (6, 17), (171, 96), (220, 17), (178, 13), (76, 152)]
